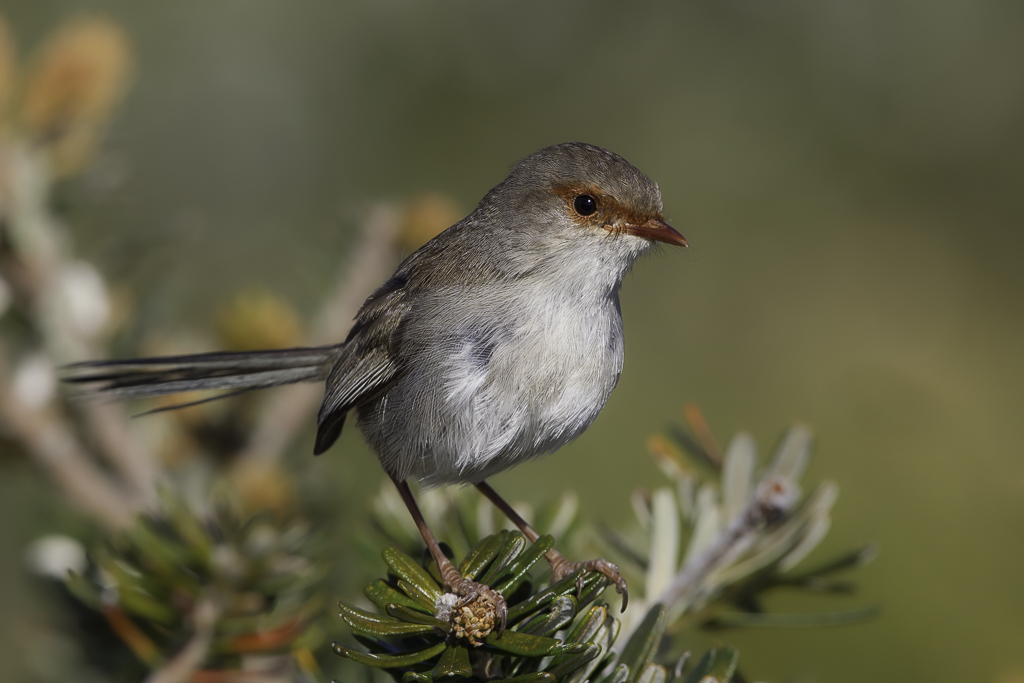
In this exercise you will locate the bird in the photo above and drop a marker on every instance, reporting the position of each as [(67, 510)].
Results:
[(496, 342)]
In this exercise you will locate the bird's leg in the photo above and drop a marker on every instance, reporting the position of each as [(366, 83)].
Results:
[(468, 590), (560, 567)]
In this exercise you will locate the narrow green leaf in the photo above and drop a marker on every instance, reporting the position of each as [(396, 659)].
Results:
[(190, 529), (537, 677), (590, 632), (406, 569), (594, 584), (403, 613), (561, 666), (562, 611), (482, 554), (379, 626), (617, 675), (389, 661), (161, 556), (454, 662), (520, 568), (719, 663), (418, 594), (525, 645), (587, 627), (413, 677), (356, 613), (124, 574), (565, 586), (142, 604), (382, 595), (84, 591), (605, 637), (515, 544), (643, 644)]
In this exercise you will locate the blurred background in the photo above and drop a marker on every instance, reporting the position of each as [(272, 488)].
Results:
[(849, 177)]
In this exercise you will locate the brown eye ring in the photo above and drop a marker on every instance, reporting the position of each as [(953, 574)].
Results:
[(584, 205)]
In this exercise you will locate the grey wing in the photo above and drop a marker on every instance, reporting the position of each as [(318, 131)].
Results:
[(369, 361)]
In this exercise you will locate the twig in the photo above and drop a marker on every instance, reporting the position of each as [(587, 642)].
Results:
[(180, 669), (773, 501), (108, 424), (55, 448), (41, 255), (289, 409)]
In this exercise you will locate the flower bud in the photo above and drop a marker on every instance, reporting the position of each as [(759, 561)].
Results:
[(78, 77)]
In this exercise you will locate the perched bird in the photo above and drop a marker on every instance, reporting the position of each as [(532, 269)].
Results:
[(497, 341)]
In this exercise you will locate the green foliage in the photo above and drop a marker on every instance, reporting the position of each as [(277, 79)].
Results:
[(559, 632), (243, 586)]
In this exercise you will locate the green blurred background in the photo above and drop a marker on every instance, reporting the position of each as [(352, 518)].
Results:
[(850, 176)]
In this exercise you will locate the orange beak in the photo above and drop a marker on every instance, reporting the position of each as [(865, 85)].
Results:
[(657, 230)]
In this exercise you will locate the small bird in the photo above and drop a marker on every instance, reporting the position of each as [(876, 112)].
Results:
[(496, 342)]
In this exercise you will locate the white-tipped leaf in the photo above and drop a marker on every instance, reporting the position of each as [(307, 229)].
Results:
[(664, 558), (738, 475), (686, 492), (812, 537), (641, 508), (708, 526), (653, 673), (793, 455)]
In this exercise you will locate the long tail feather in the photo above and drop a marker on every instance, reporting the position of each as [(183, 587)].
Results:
[(241, 371)]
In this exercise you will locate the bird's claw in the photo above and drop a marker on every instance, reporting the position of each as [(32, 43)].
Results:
[(561, 568)]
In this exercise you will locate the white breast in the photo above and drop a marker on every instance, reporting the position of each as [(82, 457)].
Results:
[(541, 386)]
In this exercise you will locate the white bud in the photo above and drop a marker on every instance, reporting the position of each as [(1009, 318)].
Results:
[(84, 297), (35, 382), (54, 556)]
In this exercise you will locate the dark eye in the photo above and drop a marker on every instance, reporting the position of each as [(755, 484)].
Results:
[(584, 204)]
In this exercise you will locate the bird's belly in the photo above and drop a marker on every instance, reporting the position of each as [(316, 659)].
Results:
[(488, 404)]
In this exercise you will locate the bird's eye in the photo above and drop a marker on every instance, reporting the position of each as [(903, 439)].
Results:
[(584, 204)]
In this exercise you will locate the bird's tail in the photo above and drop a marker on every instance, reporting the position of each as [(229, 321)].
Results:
[(232, 373)]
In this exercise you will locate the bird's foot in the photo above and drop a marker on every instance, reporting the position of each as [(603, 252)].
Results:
[(473, 608), (561, 568)]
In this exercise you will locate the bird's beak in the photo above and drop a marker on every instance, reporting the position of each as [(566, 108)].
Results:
[(657, 230)]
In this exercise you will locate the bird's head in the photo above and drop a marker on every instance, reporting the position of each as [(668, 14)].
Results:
[(576, 193)]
